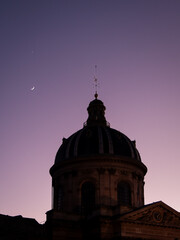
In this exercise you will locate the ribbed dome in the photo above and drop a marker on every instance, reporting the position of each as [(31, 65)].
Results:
[(97, 138)]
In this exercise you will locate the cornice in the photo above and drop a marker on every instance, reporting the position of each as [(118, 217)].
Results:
[(96, 160)]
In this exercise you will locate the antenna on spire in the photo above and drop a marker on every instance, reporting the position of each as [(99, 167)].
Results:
[(96, 84)]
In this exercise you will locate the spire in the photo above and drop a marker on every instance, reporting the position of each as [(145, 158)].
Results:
[(96, 84), (96, 108)]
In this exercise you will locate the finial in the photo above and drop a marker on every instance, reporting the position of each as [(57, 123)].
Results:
[(96, 83), (96, 95)]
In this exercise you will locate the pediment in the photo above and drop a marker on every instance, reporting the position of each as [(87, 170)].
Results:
[(155, 214)]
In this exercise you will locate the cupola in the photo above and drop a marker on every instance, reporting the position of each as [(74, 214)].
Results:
[(97, 138)]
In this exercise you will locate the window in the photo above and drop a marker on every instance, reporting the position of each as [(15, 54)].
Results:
[(87, 198), (124, 193), (59, 198)]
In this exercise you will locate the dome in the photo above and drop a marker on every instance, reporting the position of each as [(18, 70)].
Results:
[(97, 138)]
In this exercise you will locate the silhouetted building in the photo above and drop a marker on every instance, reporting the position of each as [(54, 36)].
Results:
[(98, 188), (20, 228), (98, 191)]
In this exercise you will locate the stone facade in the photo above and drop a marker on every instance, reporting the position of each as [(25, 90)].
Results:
[(105, 175)]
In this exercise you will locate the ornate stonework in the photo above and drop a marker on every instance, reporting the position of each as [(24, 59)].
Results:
[(155, 214)]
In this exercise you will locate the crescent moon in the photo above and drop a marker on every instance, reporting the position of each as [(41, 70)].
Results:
[(32, 88)]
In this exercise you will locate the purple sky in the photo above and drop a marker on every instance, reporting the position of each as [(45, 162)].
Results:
[(54, 46)]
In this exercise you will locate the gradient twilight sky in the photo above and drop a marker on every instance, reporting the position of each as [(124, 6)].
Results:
[(54, 46)]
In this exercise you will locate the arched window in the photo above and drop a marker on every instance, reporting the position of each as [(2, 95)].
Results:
[(87, 198), (124, 193), (59, 199)]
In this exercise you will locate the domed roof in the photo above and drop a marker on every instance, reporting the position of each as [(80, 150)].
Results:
[(97, 138)]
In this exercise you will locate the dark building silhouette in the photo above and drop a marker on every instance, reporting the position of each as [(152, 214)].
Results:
[(98, 190), (19, 228), (98, 185)]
